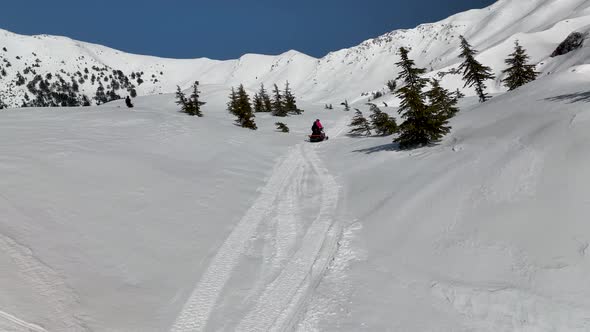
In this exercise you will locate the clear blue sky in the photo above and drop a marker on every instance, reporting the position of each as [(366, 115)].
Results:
[(224, 29)]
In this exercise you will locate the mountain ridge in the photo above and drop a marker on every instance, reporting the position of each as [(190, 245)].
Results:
[(348, 73)]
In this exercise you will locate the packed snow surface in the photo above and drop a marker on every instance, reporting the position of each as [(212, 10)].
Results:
[(146, 219)]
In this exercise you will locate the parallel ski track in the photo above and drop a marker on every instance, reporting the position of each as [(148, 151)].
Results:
[(199, 306), (27, 327), (282, 299), (281, 302)]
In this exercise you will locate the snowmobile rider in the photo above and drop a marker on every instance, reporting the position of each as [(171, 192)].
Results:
[(128, 102), (317, 127)]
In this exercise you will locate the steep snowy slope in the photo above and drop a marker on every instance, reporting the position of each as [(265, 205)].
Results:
[(152, 220), (487, 231), (149, 220), (540, 25), (109, 223)]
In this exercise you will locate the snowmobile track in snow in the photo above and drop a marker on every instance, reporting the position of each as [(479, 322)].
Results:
[(47, 285), (28, 327), (280, 302)]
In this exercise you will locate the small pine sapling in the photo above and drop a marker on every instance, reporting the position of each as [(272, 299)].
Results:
[(282, 127), (381, 122), (519, 72), (346, 106), (359, 125), (391, 85)]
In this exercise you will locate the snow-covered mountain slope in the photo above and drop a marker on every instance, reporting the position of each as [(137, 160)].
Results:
[(109, 223), (487, 231), (90, 65), (540, 25), (151, 220)]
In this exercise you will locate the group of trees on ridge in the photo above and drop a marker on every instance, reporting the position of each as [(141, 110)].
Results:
[(282, 104), (426, 114), (519, 72), (380, 122), (190, 105), (63, 87), (239, 105)]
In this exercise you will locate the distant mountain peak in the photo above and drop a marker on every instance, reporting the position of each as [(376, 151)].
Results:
[(540, 25)]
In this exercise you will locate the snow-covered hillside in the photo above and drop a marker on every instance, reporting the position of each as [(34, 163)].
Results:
[(540, 25), (150, 220), (147, 219), (487, 231)]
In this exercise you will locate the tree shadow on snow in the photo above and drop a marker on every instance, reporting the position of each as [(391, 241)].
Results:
[(380, 148), (572, 97)]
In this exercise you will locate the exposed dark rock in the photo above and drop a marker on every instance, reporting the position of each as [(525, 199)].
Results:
[(573, 42)]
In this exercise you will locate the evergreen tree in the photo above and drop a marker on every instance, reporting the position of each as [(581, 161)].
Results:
[(474, 73), (376, 95), (112, 95), (459, 94), (20, 79), (242, 108), (359, 124), (265, 99), (391, 85), (257, 103), (290, 104), (233, 101), (282, 127), (346, 106), (278, 104), (100, 96), (519, 71), (421, 126), (443, 102), (381, 122), (262, 101), (85, 101), (245, 109), (181, 100), (193, 107)]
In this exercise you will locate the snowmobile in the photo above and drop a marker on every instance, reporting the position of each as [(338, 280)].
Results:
[(314, 138)]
